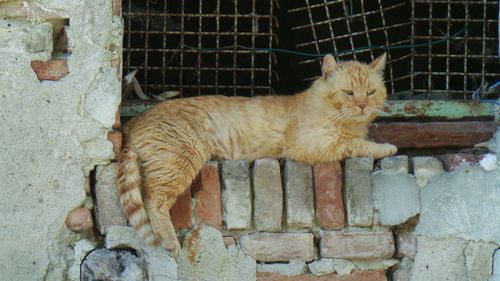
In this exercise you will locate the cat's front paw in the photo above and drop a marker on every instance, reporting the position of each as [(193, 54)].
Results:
[(386, 149), (173, 248)]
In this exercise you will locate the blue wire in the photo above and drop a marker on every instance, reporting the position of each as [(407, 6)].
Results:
[(334, 53)]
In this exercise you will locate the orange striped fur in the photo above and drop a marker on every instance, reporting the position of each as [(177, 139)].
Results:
[(166, 146)]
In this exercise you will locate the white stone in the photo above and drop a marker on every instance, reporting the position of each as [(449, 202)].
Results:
[(440, 259), (374, 264), (489, 162), (464, 203), (395, 197), (321, 267), (204, 257), (479, 260), (358, 191), (82, 248), (160, 266), (293, 268), (425, 168), (395, 164), (236, 190), (343, 267), (495, 276), (26, 38)]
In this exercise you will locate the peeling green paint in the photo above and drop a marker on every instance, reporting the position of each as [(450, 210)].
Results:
[(396, 109)]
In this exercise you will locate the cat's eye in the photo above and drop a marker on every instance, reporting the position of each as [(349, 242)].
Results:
[(370, 92), (350, 93)]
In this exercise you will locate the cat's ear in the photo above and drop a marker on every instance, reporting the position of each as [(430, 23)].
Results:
[(379, 63), (329, 65)]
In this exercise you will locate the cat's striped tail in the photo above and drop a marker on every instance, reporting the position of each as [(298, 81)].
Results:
[(129, 189)]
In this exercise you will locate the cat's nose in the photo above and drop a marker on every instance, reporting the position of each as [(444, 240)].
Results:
[(362, 105)]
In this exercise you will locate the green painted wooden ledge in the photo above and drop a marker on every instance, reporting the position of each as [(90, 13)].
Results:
[(449, 110)]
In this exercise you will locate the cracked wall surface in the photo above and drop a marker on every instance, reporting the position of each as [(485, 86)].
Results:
[(52, 133)]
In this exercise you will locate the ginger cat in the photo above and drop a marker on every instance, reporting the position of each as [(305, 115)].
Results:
[(167, 145)]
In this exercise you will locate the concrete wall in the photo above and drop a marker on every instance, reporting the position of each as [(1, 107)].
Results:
[(401, 218), (52, 133)]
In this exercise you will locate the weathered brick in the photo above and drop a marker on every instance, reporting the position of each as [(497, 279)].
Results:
[(207, 191), (354, 245), (236, 201), (268, 195), (299, 198), (275, 247), (116, 138), (452, 161), (117, 124), (406, 245), (109, 211), (80, 219), (328, 196), (396, 164), (117, 7), (53, 70), (358, 191), (367, 275), (228, 240), (181, 211), (425, 168)]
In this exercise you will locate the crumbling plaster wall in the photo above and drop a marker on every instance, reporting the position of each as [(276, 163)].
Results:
[(52, 133)]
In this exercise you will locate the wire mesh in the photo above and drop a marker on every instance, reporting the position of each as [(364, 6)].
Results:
[(450, 70), (160, 36)]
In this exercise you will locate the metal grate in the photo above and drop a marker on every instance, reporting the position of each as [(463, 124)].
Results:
[(204, 47), (162, 37), (453, 69)]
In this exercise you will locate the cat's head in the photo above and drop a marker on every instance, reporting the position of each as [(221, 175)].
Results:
[(356, 89)]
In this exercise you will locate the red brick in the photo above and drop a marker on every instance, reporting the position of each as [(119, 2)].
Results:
[(328, 196), (117, 124), (116, 139), (228, 240), (53, 70), (452, 161), (366, 275), (117, 7), (181, 212), (208, 196), (80, 219), (354, 245), (276, 247), (406, 245)]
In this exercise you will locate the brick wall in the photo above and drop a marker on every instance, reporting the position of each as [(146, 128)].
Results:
[(341, 221)]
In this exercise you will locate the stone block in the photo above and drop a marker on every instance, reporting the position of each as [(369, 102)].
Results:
[(406, 245), (358, 191), (439, 259), (394, 210), (343, 267), (113, 265), (279, 247), (268, 195), (24, 37), (328, 196), (181, 211), (109, 211), (401, 275), (80, 219), (395, 164), (299, 198), (208, 210), (293, 268), (322, 267), (356, 245), (452, 161), (53, 70), (205, 257), (495, 276), (465, 204), (425, 168), (116, 138), (236, 200), (479, 260), (367, 275)]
